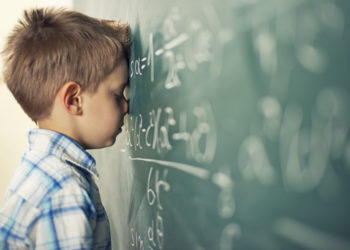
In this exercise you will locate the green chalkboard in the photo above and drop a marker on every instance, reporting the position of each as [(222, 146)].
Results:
[(238, 133)]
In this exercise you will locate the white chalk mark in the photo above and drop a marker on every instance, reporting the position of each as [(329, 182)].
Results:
[(177, 41), (144, 59), (222, 180), (159, 52), (143, 66), (172, 44), (193, 170), (308, 236)]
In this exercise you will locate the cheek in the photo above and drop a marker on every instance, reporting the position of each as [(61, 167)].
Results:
[(103, 115), (113, 115)]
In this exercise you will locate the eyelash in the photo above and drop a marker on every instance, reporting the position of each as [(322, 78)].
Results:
[(120, 98)]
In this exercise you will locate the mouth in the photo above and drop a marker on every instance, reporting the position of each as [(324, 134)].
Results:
[(121, 128)]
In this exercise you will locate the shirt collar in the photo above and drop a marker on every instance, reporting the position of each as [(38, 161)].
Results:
[(51, 142)]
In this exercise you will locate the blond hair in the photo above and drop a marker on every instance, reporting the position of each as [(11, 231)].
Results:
[(50, 47)]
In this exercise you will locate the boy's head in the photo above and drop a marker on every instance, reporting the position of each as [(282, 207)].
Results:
[(55, 55)]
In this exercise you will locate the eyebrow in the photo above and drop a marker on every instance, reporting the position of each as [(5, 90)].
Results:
[(122, 86)]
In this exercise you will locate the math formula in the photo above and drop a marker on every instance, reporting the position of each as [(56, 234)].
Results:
[(191, 132), (165, 127), (156, 184), (241, 116)]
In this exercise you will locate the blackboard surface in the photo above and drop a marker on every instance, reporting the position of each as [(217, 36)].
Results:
[(238, 134)]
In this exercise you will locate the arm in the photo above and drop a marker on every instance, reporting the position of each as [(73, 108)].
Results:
[(66, 222)]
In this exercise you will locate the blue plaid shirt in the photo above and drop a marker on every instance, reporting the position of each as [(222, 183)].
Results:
[(53, 201)]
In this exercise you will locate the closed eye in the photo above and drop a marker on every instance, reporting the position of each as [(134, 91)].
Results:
[(119, 98), (124, 96)]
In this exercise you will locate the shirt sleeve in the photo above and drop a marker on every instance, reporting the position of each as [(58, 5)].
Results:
[(66, 222)]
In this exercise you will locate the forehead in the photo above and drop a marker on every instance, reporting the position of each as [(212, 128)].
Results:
[(118, 77)]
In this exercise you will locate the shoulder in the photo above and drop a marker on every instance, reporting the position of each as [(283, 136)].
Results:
[(42, 179), (66, 218), (44, 190), (39, 176)]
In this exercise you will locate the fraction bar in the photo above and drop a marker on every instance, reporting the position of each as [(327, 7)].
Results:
[(193, 170), (176, 42)]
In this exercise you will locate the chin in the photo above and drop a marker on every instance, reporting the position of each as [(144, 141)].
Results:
[(110, 142), (106, 144)]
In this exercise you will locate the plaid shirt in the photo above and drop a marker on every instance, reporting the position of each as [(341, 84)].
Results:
[(53, 201)]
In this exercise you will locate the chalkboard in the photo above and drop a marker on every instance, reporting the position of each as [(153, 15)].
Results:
[(238, 133)]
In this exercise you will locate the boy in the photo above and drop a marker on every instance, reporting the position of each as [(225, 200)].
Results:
[(68, 71)]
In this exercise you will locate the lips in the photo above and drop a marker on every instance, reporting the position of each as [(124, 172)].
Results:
[(121, 128)]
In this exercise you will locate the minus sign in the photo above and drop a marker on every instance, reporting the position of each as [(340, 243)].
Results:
[(159, 52), (143, 66), (143, 130), (144, 59)]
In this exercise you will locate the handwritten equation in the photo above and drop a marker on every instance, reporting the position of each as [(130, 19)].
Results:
[(304, 152), (198, 45), (163, 129)]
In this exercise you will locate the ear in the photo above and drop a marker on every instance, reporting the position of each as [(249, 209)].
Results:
[(70, 97)]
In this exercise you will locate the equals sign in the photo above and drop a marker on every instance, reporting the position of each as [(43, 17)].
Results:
[(143, 66)]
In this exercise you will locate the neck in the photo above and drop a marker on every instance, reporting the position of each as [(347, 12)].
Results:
[(58, 126)]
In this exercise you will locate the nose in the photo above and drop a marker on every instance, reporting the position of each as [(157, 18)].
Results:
[(125, 107)]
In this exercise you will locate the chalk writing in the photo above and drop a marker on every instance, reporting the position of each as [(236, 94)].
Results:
[(162, 130), (136, 240), (154, 194)]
